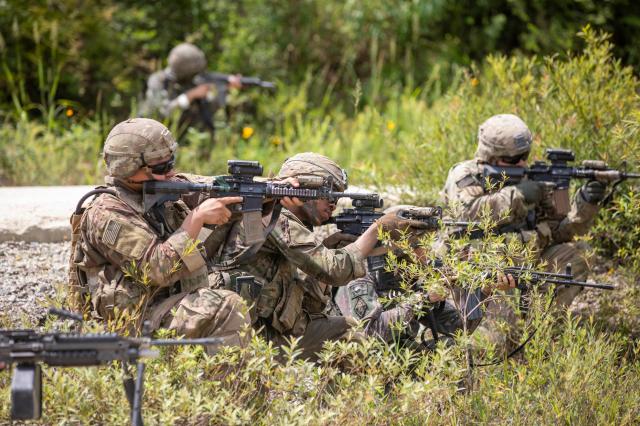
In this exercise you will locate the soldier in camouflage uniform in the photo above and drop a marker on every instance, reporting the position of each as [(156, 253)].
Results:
[(404, 321), (149, 264), (505, 140), (173, 90), (294, 271)]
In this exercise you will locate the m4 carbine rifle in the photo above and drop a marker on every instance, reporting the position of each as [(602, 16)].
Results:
[(28, 349), (240, 182), (220, 79), (559, 173), (364, 213)]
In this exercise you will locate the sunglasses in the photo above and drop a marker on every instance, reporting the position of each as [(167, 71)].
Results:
[(162, 168), (516, 158)]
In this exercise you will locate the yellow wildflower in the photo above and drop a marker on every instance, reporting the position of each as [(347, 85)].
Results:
[(391, 125), (276, 141), (247, 132), (474, 82), (69, 112)]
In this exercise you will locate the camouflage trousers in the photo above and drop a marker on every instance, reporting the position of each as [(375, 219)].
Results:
[(320, 329), (193, 313), (206, 312), (401, 324), (359, 299), (501, 322)]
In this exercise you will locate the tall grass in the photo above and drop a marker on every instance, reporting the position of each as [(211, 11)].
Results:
[(561, 382)]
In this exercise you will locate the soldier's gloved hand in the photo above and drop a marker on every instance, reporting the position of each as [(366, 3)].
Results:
[(396, 225), (531, 191), (593, 191), (339, 240)]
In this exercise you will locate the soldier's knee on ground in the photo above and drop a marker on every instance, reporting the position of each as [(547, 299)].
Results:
[(211, 313)]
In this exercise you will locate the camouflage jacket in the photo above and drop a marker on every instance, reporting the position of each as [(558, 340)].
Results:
[(360, 299), (162, 97), (125, 259), (464, 192), (294, 270)]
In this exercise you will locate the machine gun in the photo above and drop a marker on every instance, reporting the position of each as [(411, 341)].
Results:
[(220, 79), (240, 182), (559, 173), (28, 349)]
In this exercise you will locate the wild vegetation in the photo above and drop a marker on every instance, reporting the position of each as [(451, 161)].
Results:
[(397, 105)]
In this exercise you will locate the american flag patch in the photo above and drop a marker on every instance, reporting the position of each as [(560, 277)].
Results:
[(110, 234)]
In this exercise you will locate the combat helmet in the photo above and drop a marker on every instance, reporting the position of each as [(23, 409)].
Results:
[(312, 165), (503, 135), (134, 143), (185, 61)]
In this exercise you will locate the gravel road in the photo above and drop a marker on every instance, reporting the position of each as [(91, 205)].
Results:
[(29, 273)]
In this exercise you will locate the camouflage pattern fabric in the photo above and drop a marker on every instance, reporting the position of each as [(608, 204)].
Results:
[(134, 143), (503, 135), (314, 165), (465, 194), (359, 300), (319, 329), (162, 100), (125, 264), (295, 271), (186, 60)]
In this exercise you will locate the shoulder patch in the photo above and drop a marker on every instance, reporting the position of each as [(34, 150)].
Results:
[(126, 239), (360, 308), (111, 231), (467, 181)]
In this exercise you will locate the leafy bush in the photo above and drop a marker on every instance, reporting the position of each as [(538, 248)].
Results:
[(618, 230)]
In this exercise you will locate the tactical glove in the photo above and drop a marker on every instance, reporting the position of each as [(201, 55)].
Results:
[(531, 191), (593, 191), (338, 240), (396, 225)]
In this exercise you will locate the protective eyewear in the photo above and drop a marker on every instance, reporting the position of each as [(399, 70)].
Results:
[(162, 168), (516, 158)]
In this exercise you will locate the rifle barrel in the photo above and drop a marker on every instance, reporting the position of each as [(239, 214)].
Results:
[(580, 284)]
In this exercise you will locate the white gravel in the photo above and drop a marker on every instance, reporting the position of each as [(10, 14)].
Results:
[(29, 273)]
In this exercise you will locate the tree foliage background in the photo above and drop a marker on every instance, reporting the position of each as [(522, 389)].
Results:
[(97, 54)]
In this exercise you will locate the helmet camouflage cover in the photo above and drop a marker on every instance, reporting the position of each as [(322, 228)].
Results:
[(186, 60), (310, 164), (503, 135), (134, 143)]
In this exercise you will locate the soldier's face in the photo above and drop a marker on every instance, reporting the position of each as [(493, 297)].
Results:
[(318, 212), (147, 172), (502, 163), (516, 161)]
